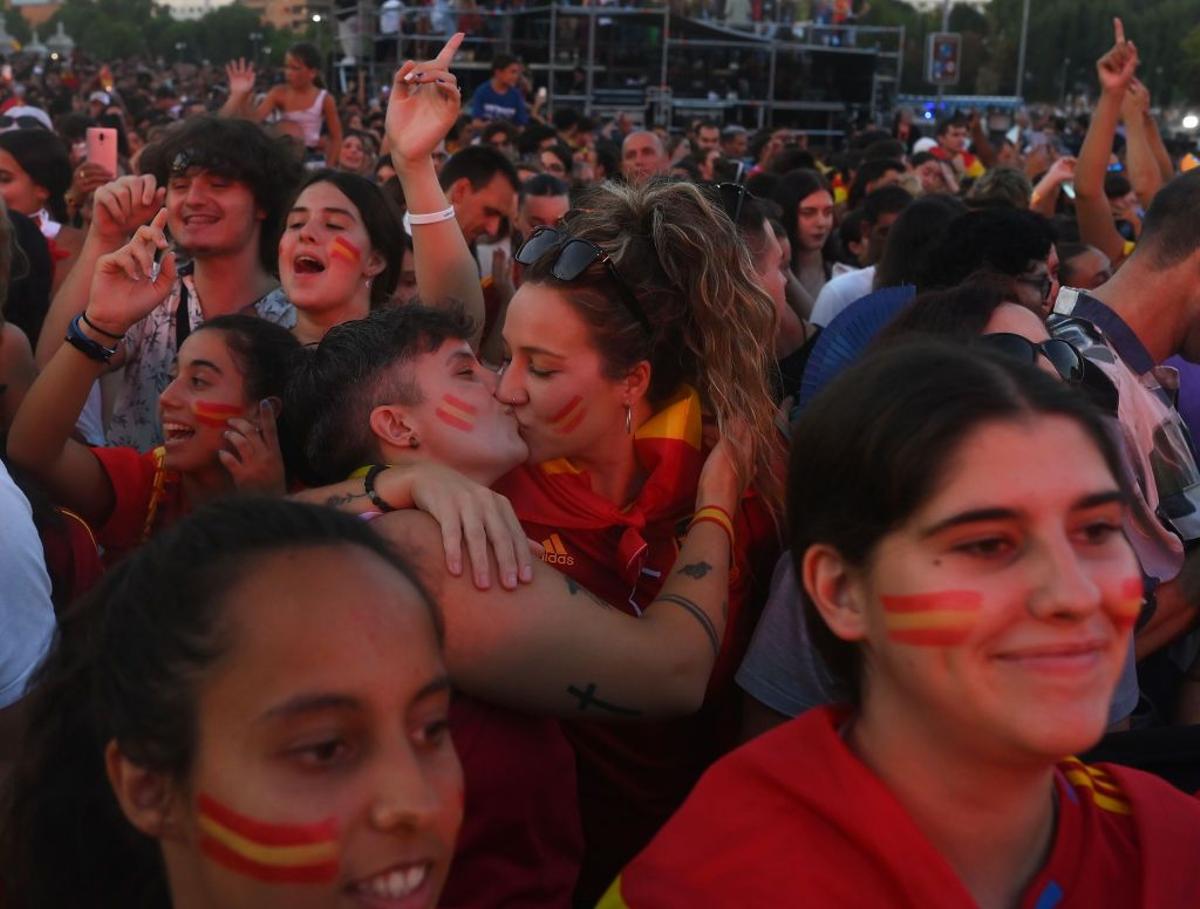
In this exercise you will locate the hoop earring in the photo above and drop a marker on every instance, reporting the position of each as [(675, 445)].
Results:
[(413, 442), (628, 420)]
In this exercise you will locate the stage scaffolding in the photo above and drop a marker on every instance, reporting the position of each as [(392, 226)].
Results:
[(662, 65)]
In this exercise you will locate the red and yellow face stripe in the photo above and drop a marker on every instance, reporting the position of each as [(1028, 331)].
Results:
[(345, 250), (211, 413), (272, 853), (1126, 611), (457, 413), (940, 619), (569, 418)]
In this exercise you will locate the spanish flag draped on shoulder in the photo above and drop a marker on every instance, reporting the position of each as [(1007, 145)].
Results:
[(795, 819)]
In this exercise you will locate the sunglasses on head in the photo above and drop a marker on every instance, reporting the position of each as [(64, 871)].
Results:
[(1065, 359), (575, 256), (733, 197), (22, 122)]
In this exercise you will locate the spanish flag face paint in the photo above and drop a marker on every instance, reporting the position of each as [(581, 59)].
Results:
[(1125, 611), (457, 413), (568, 419), (271, 853), (345, 251), (941, 619), (210, 413)]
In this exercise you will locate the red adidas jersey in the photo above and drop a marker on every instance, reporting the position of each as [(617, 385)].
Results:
[(795, 819)]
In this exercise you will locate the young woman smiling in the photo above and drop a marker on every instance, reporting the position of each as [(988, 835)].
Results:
[(248, 713), (975, 595), (657, 319), (218, 413)]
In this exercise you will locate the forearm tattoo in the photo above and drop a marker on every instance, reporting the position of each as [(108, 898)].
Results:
[(696, 570), (587, 699), (698, 614)]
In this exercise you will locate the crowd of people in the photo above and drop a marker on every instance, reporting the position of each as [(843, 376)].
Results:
[(426, 502)]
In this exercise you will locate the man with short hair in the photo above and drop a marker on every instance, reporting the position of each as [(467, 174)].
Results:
[(952, 147), (543, 201), (225, 183), (735, 142), (643, 157), (500, 98), (708, 136), (481, 184), (880, 211), (499, 134)]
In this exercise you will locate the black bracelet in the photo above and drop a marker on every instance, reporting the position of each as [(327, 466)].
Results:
[(90, 348), (369, 488), (94, 327)]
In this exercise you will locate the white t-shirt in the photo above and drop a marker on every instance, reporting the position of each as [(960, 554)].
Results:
[(26, 613), (840, 292)]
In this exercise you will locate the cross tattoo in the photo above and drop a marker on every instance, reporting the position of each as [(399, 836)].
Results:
[(587, 698)]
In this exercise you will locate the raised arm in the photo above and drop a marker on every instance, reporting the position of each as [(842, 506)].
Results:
[(1115, 70), (119, 208), (423, 105), (241, 89), (333, 123), (551, 647), (40, 439), (1144, 173), (1044, 200)]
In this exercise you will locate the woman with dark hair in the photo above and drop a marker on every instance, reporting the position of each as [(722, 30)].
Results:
[(341, 251), (301, 99), (359, 153), (218, 413), (807, 203), (977, 614), (913, 242), (342, 248), (35, 174), (251, 711)]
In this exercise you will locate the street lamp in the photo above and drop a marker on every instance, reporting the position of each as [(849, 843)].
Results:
[(255, 38), (180, 46), (316, 17)]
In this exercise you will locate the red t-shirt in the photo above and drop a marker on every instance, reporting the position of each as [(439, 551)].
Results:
[(795, 819), (146, 498), (520, 845)]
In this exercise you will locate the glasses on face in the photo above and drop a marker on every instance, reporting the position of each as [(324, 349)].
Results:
[(575, 256), (1042, 283), (1065, 359)]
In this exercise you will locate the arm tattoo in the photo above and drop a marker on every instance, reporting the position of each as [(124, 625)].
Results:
[(698, 614), (346, 499), (575, 589), (587, 698), (696, 571)]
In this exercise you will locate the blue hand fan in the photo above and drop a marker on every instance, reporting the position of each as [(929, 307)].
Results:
[(845, 338)]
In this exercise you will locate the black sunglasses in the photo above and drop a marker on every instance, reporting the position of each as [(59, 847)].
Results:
[(1065, 359), (22, 122), (575, 256)]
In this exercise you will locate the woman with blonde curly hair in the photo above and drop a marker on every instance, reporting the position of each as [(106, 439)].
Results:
[(635, 325)]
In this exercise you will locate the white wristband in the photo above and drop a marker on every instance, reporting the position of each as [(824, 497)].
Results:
[(433, 217)]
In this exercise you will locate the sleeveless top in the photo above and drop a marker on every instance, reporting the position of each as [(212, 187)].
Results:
[(309, 119)]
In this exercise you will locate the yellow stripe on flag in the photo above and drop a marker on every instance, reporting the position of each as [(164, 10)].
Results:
[(281, 856)]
